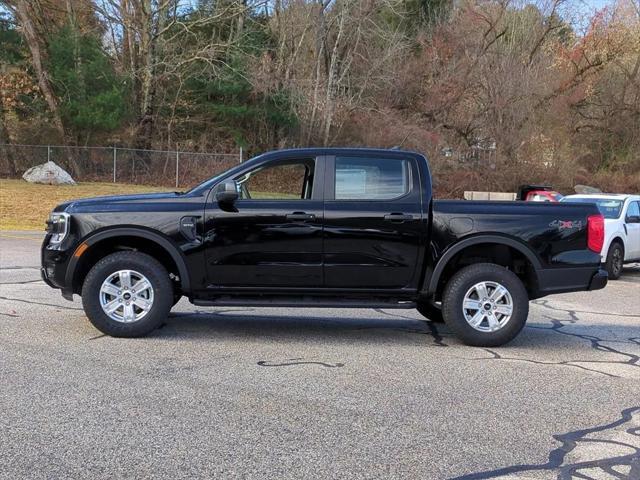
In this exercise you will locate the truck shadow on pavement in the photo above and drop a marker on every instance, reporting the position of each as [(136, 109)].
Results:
[(606, 350), (335, 330)]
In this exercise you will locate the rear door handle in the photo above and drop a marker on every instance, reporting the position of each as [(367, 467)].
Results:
[(398, 217), (300, 216)]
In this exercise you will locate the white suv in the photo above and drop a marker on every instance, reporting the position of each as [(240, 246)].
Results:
[(621, 228)]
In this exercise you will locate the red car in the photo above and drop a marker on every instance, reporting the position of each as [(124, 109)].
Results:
[(538, 193)]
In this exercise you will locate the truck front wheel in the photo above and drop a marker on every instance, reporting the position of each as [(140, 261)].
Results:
[(127, 294), (485, 305)]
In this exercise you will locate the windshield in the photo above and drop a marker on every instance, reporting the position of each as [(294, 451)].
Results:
[(608, 208)]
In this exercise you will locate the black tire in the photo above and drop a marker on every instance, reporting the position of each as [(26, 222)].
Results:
[(148, 266), (462, 282), (615, 261), (430, 311)]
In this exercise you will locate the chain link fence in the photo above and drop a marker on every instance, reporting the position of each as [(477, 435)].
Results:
[(118, 165)]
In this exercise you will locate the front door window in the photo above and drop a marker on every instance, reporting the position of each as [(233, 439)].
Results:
[(292, 180)]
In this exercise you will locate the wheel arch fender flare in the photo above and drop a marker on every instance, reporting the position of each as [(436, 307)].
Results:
[(144, 233), (616, 238), (431, 282)]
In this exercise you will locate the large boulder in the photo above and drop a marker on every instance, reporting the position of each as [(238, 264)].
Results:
[(48, 173)]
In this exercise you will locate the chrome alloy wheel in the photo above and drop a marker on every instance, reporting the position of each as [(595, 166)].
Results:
[(126, 296), (487, 306)]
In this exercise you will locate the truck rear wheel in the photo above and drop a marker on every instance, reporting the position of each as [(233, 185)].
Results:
[(485, 305), (127, 294)]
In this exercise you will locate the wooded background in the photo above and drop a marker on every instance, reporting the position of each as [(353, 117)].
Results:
[(496, 93)]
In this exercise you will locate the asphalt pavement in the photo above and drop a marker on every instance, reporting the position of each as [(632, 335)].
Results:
[(279, 393)]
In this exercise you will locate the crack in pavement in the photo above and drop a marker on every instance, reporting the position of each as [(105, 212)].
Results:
[(433, 329), (571, 442), (297, 361), (437, 337), (568, 363), (596, 344), (545, 304)]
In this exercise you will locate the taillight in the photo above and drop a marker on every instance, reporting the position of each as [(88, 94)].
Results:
[(595, 232)]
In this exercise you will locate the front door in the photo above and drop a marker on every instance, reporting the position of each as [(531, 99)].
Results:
[(632, 225), (374, 224), (272, 235)]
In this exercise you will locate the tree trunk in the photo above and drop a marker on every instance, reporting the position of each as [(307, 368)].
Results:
[(129, 50), (37, 60), (7, 135), (321, 36), (30, 36), (150, 50), (331, 82)]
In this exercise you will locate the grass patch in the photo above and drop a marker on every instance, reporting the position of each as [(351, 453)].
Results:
[(26, 206)]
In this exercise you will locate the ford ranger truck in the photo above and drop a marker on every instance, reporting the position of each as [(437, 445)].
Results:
[(321, 227)]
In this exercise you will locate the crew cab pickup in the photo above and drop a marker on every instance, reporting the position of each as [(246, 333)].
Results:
[(327, 227)]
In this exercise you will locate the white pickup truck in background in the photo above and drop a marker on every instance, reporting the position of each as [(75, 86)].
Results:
[(621, 225)]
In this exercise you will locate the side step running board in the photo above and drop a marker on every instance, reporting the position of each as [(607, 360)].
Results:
[(317, 302)]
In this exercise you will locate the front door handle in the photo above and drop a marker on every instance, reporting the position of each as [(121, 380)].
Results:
[(300, 216), (398, 217)]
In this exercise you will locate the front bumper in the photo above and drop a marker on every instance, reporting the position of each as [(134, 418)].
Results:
[(53, 269)]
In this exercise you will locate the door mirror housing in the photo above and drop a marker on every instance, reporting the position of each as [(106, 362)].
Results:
[(633, 219), (227, 192)]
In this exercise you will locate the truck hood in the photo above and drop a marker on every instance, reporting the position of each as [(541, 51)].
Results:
[(114, 200)]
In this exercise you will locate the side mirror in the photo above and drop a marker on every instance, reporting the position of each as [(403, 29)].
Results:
[(227, 192), (632, 219)]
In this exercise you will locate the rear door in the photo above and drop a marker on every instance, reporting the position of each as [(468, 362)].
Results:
[(373, 222)]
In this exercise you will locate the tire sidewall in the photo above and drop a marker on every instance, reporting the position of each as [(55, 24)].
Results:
[(142, 263), (612, 274), (456, 290)]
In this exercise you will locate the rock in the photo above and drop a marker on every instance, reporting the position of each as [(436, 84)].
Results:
[(48, 173)]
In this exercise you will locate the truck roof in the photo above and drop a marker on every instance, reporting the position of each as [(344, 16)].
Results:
[(338, 151), (606, 196)]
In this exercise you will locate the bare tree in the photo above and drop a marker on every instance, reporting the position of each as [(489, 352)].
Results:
[(24, 13)]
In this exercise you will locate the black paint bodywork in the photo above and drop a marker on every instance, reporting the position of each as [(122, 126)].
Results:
[(343, 249)]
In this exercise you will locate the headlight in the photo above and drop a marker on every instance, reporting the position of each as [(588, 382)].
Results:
[(58, 227)]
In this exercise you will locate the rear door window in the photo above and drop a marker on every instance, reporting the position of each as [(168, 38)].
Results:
[(361, 178)]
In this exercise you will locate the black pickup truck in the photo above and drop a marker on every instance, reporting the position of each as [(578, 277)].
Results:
[(322, 227)]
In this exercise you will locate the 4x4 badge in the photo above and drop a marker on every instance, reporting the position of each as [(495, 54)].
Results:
[(566, 224)]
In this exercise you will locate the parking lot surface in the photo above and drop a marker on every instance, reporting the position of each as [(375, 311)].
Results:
[(314, 393)]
